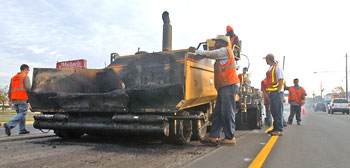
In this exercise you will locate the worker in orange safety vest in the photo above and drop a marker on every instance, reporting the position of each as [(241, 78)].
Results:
[(233, 39), (226, 83), (296, 100), (20, 84)]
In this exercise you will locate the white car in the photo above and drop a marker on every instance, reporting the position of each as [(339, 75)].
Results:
[(339, 105)]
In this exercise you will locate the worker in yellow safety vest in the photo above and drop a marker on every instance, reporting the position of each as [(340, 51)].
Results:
[(226, 80), (296, 100), (20, 84), (274, 77)]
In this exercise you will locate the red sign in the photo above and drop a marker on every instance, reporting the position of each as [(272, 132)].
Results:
[(74, 64)]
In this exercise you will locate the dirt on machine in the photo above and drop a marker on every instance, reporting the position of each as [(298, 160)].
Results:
[(169, 94)]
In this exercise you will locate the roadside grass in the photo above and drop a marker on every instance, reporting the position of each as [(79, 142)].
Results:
[(8, 119)]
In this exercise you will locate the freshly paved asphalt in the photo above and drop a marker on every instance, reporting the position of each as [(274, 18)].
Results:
[(323, 140)]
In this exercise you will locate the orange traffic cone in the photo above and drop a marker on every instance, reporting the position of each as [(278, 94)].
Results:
[(304, 112)]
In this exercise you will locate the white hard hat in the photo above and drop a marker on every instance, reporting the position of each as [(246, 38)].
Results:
[(222, 37)]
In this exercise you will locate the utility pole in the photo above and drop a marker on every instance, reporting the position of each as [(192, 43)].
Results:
[(322, 89), (346, 76)]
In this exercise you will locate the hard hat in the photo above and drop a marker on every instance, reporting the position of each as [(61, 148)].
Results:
[(229, 28), (270, 57), (223, 38)]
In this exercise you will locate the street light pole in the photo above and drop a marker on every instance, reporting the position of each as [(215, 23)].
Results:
[(346, 76)]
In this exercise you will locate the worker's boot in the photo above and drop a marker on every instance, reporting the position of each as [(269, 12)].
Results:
[(285, 124), (24, 132), (210, 141), (298, 122), (228, 141), (277, 133), (7, 129)]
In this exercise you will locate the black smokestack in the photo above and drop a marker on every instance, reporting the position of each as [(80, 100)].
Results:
[(167, 32)]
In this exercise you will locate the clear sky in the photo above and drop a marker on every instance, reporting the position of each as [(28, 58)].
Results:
[(313, 35)]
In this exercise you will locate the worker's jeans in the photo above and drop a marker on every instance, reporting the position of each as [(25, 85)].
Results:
[(268, 119), (282, 110), (294, 109), (276, 110), (20, 118), (224, 113)]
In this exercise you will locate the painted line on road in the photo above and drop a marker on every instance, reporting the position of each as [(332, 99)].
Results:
[(269, 129), (261, 157)]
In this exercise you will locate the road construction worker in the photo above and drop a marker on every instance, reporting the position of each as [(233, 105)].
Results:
[(243, 75), (296, 99), (19, 85), (226, 80), (274, 89), (233, 39), (268, 120)]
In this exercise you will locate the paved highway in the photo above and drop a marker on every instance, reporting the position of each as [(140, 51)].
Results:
[(321, 141)]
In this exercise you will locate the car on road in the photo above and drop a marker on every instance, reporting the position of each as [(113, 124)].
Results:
[(339, 105), (320, 107)]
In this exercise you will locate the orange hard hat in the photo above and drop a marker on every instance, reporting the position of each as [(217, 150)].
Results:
[(229, 28)]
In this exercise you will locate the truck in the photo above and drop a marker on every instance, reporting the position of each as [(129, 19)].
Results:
[(169, 94)]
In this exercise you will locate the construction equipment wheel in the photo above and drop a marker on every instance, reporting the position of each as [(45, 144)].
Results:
[(183, 131), (65, 134), (197, 130)]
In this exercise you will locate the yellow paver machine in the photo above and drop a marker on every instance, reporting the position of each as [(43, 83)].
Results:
[(170, 94)]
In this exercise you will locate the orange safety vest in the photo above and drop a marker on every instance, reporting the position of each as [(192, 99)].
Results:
[(296, 96), (226, 74), (18, 90), (272, 83)]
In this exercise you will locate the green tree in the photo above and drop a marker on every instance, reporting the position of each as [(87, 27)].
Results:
[(3, 97)]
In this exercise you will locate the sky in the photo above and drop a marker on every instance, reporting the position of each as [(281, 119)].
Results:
[(313, 35)]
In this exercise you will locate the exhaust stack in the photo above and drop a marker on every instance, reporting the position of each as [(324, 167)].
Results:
[(167, 32)]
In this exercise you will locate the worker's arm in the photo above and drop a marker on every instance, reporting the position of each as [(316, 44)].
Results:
[(218, 54), (9, 93), (280, 84), (27, 83)]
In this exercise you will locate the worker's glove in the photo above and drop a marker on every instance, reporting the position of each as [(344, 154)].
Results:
[(192, 49)]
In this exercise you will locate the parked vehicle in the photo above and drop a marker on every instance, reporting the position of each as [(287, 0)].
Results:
[(320, 107), (339, 105)]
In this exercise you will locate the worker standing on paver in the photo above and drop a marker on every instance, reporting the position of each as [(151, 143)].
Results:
[(243, 75), (268, 119), (226, 80), (274, 88), (296, 99), (233, 39), (20, 84)]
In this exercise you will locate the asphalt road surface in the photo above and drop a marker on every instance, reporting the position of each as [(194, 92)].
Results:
[(321, 141)]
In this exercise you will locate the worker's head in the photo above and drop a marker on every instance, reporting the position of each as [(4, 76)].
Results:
[(229, 31), (221, 41), (270, 59), (25, 69), (296, 82), (245, 70)]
